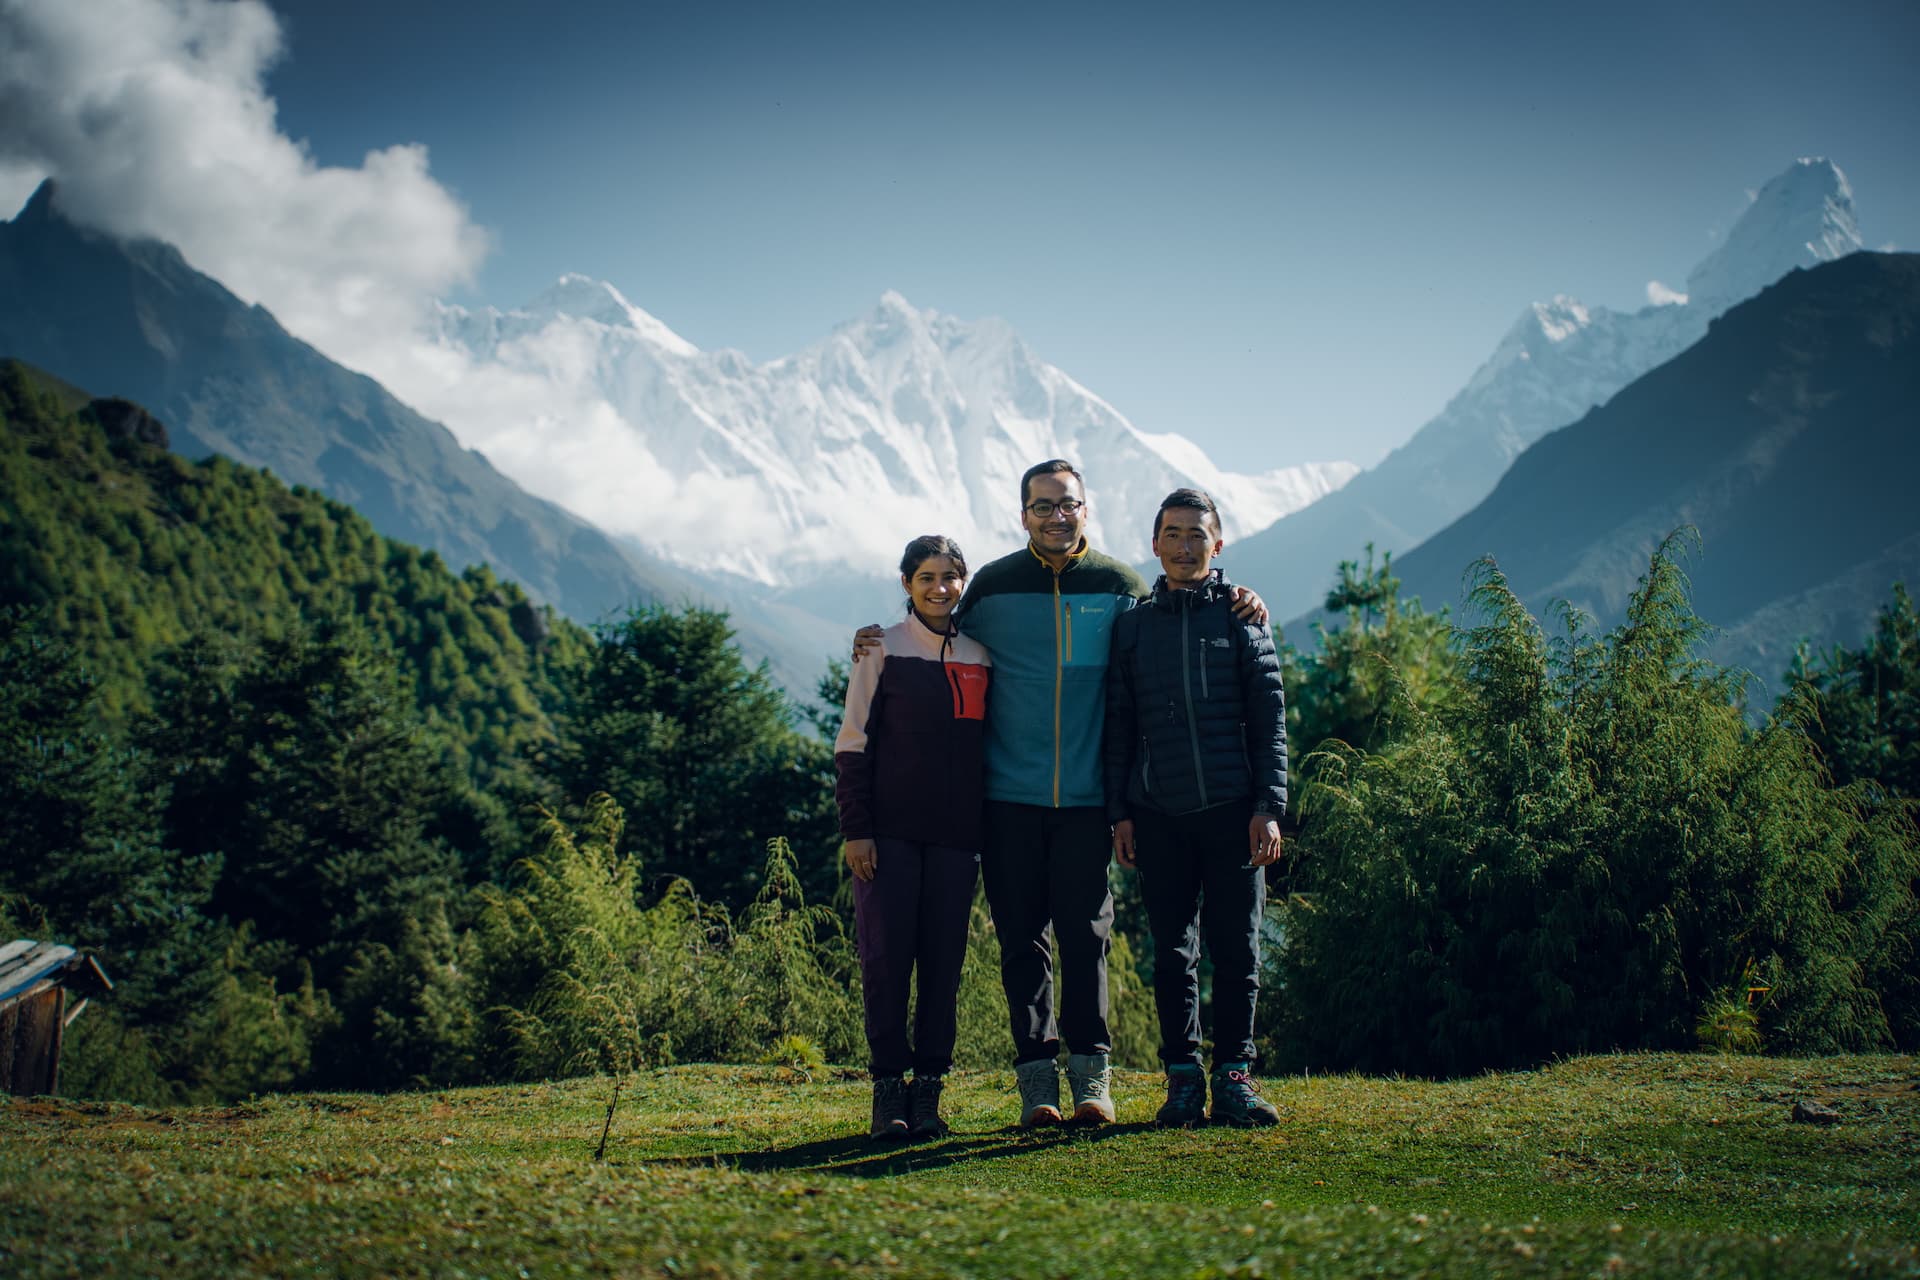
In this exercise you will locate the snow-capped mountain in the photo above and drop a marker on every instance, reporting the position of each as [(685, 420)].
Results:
[(902, 422), (1558, 361)]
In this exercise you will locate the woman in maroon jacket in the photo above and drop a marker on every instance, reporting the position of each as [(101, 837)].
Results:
[(910, 788)]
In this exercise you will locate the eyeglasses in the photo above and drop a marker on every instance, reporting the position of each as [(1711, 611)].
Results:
[(1043, 510)]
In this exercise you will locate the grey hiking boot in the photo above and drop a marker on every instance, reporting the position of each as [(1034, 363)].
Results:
[(889, 1108), (1090, 1078), (923, 1108), (1039, 1092), (1236, 1101), (1186, 1104)]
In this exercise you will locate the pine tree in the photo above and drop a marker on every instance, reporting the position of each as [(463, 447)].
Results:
[(699, 750), (86, 862), (1585, 850)]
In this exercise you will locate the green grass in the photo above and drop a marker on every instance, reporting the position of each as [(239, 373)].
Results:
[(1640, 1165)]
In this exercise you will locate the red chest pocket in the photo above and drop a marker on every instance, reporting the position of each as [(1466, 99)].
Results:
[(969, 684)]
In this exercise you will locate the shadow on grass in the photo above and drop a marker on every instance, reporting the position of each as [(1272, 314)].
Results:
[(861, 1157)]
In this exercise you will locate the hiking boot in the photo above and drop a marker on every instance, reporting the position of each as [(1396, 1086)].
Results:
[(1039, 1092), (1236, 1101), (1186, 1104), (889, 1108), (1089, 1078), (923, 1108)]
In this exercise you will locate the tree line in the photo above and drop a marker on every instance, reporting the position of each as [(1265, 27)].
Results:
[(335, 815)]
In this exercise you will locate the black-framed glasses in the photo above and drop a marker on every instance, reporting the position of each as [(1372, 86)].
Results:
[(1043, 510)]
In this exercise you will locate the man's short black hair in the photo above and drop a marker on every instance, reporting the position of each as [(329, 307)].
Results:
[(1192, 499), (1051, 466)]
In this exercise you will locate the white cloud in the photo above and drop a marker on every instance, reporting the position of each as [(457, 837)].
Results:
[(1661, 295), (153, 117)]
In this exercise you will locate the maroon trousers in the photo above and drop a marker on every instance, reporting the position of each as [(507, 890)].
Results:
[(912, 916)]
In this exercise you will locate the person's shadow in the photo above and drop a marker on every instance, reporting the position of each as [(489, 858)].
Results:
[(862, 1157)]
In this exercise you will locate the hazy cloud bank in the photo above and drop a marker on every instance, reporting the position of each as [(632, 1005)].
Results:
[(154, 117)]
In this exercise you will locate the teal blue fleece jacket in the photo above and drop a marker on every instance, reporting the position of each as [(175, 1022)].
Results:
[(1048, 633)]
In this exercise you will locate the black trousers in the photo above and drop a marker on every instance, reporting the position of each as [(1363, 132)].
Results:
[(913, 916), (1046, 878), (1193, 869)]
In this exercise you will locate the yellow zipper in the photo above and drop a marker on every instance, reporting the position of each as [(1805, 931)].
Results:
[(1059, 670)]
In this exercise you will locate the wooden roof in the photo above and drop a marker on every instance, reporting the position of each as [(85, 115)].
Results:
[(28, 967)]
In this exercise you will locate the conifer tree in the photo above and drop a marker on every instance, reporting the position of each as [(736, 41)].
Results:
[(701, 753), (86, 863), (1581, 852), (1343, 689)]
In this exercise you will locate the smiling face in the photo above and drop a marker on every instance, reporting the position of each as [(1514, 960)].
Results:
[(1187, 541), (934, 586), (1061, 521)]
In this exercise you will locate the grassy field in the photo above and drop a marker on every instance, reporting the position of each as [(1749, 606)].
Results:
[(1643, 1165)]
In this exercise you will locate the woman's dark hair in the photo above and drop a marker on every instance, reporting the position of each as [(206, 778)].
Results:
[(926, 547)]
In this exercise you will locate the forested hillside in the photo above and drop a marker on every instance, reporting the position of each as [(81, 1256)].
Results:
[(132, 549), (270, 764), (333, 815)]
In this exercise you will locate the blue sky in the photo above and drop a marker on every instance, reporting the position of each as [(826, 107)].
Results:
[(1289, 232)]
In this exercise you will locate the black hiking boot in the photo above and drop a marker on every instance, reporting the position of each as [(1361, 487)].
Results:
[(1186, 1104), (889, 1108), (923, 1108), (1237, 1101)]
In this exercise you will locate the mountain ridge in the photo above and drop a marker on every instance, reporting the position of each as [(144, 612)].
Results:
[(135, 319), (1557, 361), (899, 419), (1784, 437)]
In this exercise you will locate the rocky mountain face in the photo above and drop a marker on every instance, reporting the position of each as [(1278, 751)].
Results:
[(135, 320), (901, 422), (1785, 437), (1559, 360)]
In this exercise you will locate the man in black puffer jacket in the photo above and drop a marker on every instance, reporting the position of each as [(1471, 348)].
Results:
[(1196, 782)]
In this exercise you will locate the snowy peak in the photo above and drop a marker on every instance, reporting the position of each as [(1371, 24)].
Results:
[(893, 324), (1801, 217), (39, 207), (1540, 333), (1560, 319), (1579, 355), (902, 419), (584, 298)]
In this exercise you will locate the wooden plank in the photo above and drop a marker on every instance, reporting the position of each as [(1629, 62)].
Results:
[(43, 962), (36, 1043), (18, 946), (19, 961), (30, 958), (9, 1026), (84, 975), (58, 1035)]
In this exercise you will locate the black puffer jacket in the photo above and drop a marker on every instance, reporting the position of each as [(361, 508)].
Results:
[(1195, 711)]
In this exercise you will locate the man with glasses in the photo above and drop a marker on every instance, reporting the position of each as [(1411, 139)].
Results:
[(1045, 613)]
